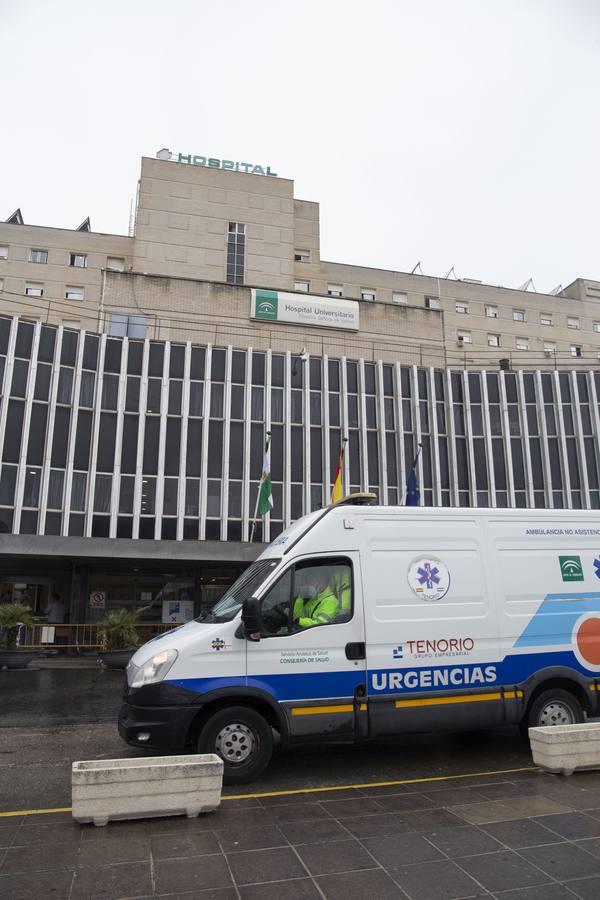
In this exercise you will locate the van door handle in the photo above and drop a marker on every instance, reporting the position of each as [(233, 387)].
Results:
[(355, 650)]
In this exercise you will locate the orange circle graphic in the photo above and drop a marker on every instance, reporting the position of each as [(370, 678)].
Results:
[(588, 641)]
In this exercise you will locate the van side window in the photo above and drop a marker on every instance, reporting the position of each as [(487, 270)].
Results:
[(311, 594)]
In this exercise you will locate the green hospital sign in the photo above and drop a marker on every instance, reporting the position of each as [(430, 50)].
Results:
[(295, 309), (212, 162)]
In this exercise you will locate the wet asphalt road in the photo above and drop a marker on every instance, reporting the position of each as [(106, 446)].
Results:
[(50, 717)]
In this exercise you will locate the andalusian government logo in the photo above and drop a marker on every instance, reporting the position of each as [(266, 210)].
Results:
[(571, 568), (266, 305), (428, 578)]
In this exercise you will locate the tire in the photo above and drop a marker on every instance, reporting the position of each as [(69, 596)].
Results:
[(553, 707), (242, 738)]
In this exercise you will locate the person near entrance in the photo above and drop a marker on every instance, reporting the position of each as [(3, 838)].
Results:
[(55, 611), (316, 603)]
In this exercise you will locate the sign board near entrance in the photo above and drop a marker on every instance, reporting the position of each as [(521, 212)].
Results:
[(177, 612), (98, 600), (323, 312)]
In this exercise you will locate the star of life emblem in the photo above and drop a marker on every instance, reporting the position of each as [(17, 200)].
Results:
[(428, 578)]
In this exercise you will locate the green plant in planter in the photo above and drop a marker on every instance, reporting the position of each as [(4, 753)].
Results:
[(11, 616), (117, 630)]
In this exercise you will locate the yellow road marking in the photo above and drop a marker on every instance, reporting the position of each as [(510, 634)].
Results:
[(34, 812), (371, 784), (318, 790)]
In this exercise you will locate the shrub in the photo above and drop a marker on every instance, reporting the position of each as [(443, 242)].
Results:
[(117, 629)]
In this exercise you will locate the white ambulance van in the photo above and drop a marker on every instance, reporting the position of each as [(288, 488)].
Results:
[(361, 621)]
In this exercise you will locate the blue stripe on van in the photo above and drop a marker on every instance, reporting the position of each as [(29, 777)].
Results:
[(513, 670), (298, 686)]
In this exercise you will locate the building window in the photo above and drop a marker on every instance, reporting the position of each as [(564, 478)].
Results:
[(493, 340), (549, 348), (115, 263), (575, 350), (34, 290), (38, 256), (491, 312), (432, 302), (596, 326), (3, 252), (518, 315), (302, 286), (124, 325), (367, 294), (74, 293), (302, 256), (462, 308), (335, 290), (79, 260), (572, 322), (399, 297), (546, 319), (522, 343), (236, 252), (464, 337)]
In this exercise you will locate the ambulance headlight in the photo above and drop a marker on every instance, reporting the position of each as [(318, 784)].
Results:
[(154, 670)]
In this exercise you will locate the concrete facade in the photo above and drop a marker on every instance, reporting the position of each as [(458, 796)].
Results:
[(178, 263)]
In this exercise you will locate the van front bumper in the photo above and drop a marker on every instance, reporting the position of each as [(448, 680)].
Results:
[(155, 728)]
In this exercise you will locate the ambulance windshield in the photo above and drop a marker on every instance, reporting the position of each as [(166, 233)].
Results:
[(247, 584)]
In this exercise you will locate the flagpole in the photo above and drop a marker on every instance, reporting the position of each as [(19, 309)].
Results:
[(267, 444)]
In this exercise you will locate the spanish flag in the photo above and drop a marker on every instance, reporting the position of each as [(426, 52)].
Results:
[(338, 491)]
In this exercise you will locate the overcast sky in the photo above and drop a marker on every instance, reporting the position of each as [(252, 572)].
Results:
[(460, 133)]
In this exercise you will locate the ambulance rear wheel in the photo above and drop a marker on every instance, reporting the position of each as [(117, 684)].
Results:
[(242, 738), (554, 707)]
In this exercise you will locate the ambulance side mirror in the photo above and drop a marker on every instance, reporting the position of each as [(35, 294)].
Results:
[(251, 619)]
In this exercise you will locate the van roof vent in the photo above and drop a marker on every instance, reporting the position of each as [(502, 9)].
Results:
[(363, 499)]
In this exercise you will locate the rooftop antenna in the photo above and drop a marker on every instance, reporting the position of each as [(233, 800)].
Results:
[(528, 284), (417, 269), (556, 291), (451, 272)]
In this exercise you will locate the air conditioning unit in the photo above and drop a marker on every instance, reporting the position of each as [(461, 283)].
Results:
[(460, 341), (548, 352)]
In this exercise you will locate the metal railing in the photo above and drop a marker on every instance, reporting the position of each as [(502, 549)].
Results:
[(46, 636)]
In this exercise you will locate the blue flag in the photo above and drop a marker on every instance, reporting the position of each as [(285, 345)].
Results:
[(412, 488)]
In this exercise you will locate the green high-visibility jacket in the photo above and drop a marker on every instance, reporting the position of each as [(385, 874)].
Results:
[(321, 610), (341, 588)]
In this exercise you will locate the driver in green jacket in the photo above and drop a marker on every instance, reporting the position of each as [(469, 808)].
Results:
[(316, 603)]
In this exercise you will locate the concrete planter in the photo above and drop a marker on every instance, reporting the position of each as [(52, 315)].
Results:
[(115, 659), (565, 748), (138, 788), (16, 659)]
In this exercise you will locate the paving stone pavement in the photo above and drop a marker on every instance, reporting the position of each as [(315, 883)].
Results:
[(520, 836)]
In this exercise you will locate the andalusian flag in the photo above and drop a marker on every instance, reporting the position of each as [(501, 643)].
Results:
[(265, 496), (338, 491)]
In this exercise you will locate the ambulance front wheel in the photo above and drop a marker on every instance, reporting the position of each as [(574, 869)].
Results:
[(242, 738), (554, 707)]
